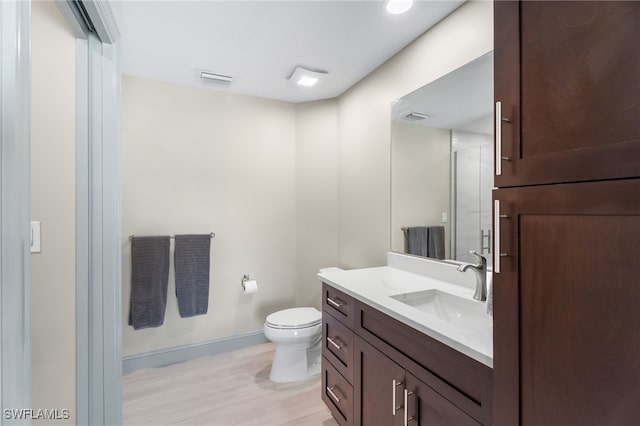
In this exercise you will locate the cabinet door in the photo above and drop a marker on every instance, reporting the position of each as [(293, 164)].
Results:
[(378, 387), (567, 305), (424, 406), (567, 77)]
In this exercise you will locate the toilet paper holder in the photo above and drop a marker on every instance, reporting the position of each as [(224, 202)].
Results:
[(245, 278)]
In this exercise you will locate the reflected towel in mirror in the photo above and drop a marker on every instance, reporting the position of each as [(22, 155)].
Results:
[(426, 241)]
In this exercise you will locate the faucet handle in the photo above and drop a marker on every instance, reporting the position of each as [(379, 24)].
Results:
[(481, 258)]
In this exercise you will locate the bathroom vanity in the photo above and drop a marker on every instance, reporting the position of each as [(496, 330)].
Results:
[(404, 345)]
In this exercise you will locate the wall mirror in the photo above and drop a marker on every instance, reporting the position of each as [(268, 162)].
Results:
[(442, 165)]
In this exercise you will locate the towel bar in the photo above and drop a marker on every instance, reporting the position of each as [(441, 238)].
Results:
[(132, 236)]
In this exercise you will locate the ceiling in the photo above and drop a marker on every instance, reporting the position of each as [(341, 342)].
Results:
[(259, 43), (460, 100)]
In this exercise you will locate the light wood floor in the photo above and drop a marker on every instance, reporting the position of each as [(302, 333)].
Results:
[(232, 388)]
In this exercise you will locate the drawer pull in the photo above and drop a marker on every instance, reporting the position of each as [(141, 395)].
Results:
[(407, 419), (335, 303), (339, 345), (336, 397), (395, 407)]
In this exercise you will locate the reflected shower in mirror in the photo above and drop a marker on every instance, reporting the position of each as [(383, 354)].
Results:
[(442, 165)]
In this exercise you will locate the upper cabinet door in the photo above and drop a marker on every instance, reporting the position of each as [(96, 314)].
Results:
[(567, 87)]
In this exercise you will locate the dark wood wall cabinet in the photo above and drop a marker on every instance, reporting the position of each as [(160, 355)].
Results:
[(566, 87), (379, 371), (567, 213)]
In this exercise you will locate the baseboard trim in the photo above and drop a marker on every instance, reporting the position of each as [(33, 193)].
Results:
[(162, 357)]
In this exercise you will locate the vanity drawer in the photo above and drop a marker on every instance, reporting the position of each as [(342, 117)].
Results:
[(338, 304), (337, 394), (337, 345)]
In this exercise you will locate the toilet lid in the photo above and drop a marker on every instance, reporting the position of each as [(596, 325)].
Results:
[(295, 318)]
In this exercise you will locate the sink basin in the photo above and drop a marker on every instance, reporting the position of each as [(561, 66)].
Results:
[(464, 313)]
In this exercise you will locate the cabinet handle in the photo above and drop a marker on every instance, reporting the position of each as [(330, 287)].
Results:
[(338, 345), (407, 419), (496, 231), (394, 406), (337, 398), (499, 121), (488, 237), (335, 303), (497, 254)]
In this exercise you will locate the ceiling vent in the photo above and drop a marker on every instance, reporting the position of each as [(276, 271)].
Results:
[(416, 116), (215, 79)]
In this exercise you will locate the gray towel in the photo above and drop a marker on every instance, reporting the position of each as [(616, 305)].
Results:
[(435, 239), (149, 279), (426, 241), (192, 274), (417, 240)]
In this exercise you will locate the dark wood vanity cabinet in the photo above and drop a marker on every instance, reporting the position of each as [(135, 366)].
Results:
[(566, 78), (390, 395), (567, 218), (370, 361)]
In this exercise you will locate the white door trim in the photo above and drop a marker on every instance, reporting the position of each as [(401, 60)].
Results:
[(100, 316), (15, 275), (98, 212)]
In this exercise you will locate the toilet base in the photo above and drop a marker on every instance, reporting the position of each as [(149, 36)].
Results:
[(293, 363)]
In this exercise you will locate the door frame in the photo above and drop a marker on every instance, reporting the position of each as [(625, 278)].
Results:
[(98, 223), (15, 275), (98, 212)]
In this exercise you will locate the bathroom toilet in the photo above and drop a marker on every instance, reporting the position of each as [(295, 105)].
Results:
[(297, 333)]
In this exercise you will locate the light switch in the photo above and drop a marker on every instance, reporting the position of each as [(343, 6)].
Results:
[(35, 237), (445, 217)]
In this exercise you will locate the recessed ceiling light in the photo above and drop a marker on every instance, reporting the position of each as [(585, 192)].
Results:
[(307, 81), (217, 79), (306, 77), (397, 7)]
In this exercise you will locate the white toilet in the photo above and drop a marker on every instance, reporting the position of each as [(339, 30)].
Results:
[(297, 333)]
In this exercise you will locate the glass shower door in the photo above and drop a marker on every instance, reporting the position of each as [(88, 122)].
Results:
[(471, 187)]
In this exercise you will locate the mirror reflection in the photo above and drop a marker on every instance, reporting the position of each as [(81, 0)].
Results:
[(442, 166)]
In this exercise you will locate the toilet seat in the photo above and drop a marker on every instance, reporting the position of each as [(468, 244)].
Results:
[(294, 318)]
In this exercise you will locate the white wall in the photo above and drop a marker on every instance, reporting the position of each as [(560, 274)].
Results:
[(53, 141), (316, 196), (420, 173), (364, 127), (195, 161)]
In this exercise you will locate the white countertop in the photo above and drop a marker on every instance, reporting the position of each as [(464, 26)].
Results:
[(374, 286)]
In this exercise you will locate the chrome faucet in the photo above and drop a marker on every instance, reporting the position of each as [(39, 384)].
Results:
[(480, 270)]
